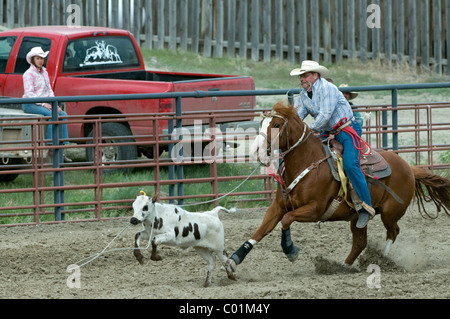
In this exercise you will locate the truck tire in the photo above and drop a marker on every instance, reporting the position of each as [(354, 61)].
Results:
[(8, 178), (114, 153)]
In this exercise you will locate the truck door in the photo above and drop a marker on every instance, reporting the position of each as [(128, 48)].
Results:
[(15, 79), (6, 46)]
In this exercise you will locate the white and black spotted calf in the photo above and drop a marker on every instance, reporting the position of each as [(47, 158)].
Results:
[(175, 226)]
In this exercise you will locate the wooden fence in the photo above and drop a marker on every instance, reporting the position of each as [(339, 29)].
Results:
[(408, 33)]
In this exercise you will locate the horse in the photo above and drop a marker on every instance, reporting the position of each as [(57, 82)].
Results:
[(308, 201)]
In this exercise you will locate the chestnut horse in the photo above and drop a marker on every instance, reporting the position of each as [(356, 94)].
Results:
[(308, 200)]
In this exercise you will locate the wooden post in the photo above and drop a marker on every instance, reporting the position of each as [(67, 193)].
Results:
[(267, 30), (231, 49), (114, 23), (326, 31), (351, 43), (218, 49), (255, 29), (161, 24), (437, 24), (172, 24), (184, 21), (376, 38), (279, 29), (400, 30), (388, 34), (195, 26), (363, 31), (126, 15), (137, 21), (148, 5), (207, 49), (412, 34), (242, 17), (424, 41), (315, 30), (290, 31), (302, 28), (339, 30)]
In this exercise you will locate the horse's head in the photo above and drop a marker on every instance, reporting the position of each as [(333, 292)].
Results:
[(277, 129)]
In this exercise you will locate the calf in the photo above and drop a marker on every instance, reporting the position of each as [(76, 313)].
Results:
[(174, 226)]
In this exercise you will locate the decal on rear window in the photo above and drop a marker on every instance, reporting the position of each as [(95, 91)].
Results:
[(101, 53)]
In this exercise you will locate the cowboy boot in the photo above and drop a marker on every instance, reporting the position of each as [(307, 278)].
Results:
[(365, 214)]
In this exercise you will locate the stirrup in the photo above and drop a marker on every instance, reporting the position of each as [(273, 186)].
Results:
[(363, 218), (368, 209)]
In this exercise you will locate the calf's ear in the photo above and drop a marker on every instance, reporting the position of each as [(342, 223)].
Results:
[(155, 198)]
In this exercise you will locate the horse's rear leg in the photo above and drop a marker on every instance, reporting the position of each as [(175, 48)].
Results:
[(390, 223), (359, 242)]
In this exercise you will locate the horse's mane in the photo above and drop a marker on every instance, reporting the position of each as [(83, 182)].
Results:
[(287, 111)]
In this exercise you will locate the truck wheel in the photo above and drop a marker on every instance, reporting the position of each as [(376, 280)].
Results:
[(114, 153), (8, 178)]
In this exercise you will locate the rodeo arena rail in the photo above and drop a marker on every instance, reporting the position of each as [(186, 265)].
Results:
[(90, 189)]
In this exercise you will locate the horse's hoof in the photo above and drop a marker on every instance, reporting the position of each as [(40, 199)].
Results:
[(155, 257), (293, 254), (230, 265)]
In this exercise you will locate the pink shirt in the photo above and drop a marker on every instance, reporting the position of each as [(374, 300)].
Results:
[(36, 83)]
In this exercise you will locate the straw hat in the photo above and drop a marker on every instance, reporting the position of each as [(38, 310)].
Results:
[(352, 94), (36, 51), (310, 66)]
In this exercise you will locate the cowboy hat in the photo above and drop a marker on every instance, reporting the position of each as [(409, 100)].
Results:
[(352, 94), (36, 51), (310, 66)]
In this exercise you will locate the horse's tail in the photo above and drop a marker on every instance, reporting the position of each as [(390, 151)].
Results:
[(437, 190)]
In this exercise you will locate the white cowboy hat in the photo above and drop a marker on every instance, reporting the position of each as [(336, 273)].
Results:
[(310, 66), (36, 51), (352, 94)]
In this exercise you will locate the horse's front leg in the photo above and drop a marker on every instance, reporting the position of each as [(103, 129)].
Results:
[(271, 219), (304, 213)]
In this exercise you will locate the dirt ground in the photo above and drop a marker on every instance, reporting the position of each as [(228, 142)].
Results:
[(34, 263)]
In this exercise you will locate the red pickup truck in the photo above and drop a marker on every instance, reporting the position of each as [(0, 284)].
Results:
[(105, 61)]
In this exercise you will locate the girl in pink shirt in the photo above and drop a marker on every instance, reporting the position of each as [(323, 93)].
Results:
[(36, 83)]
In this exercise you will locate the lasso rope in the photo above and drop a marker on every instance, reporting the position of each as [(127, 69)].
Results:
[(358, 142)]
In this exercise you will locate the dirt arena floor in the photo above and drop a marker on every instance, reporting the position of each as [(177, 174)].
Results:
[(34, 263)]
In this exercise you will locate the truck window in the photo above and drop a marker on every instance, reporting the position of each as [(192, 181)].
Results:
[(6, 45), (27, 44), (105, 53)]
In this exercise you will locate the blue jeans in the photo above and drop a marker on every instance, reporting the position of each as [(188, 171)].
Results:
[(39, 109), (351, 163)]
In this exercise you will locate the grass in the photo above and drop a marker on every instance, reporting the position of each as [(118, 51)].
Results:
[(269, 75)]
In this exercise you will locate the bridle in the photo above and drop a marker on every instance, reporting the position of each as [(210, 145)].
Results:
[(300, 141)]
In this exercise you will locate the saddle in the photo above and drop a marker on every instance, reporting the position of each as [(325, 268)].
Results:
[(373, 164)]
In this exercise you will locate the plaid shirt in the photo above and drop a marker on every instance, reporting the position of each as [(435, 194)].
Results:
[(327, 106), (36, 83)]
